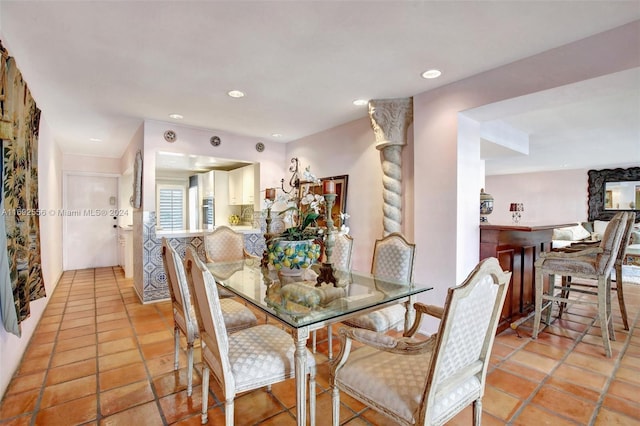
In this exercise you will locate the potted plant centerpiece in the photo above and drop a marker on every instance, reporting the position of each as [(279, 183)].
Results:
[(300, 245)]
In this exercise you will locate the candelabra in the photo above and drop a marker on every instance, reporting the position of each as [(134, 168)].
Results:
[(326, 270), (269, 199)]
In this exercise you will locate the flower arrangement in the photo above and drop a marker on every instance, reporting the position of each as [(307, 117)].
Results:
[(299, 245)]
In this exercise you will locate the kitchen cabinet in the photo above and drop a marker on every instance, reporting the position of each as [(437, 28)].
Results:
[(125, 250), (248, 185), (236, 184), (242, 186)]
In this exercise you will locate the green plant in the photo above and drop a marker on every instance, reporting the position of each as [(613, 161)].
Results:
[(306, 216)]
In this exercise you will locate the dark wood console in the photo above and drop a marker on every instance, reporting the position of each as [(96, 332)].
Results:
[(516, 247)]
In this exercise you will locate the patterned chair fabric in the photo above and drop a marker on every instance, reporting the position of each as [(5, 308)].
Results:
[(341, 260), (342, 250), (225, 245), (249, 359), (427, 382), (236, 316), (624, 242), (594, 263), (392, 259)]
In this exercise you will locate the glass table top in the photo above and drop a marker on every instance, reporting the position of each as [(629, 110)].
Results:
[(299, 302)]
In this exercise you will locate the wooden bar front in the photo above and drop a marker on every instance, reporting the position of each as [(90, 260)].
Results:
[(517, 247)]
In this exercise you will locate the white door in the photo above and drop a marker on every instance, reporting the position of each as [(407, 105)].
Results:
[(90, 222)]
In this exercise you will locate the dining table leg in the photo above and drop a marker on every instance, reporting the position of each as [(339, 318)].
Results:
[(410, 313), (300, 337)]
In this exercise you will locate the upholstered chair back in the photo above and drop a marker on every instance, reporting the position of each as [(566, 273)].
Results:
[(223, 245), (213, 332), (342, 249), (464, 341), (626, 236), (178, 288), (611, 241), (393, 258)]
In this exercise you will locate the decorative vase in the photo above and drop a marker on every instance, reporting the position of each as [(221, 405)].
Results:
[(486, 206), (292, 257)]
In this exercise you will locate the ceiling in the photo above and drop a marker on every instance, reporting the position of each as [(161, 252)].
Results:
[(97, 69)]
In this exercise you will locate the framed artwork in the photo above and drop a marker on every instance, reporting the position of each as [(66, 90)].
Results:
[(136, 197), (340, 204)]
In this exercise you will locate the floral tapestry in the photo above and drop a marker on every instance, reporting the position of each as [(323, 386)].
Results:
[(19, 126)]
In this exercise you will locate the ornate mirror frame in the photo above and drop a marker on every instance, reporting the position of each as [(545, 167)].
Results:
[(597, 182)]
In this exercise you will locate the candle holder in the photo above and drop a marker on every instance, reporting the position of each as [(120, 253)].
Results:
[(270, 196), (326, 270)]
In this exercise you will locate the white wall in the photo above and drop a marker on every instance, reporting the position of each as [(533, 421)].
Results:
[(50, 198), (195, 141), (448, 179), (350, 150), (548, 197), (90, 164)]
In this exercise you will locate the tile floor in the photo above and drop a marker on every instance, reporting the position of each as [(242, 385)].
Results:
[(99, 356)]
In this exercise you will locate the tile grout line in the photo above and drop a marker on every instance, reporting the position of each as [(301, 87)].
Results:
[(547, 377), (577, 341), (156, 398), (36, 407), (616, 367)]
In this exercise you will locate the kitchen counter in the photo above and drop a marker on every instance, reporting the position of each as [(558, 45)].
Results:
[(187, 233)]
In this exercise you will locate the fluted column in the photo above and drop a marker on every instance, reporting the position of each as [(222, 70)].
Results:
[(390, 119)]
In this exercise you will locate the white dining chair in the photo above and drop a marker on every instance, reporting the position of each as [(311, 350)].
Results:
[(236, 315), (341, 260), (426, 382), (226, 245), (393, 259), (249, 359)]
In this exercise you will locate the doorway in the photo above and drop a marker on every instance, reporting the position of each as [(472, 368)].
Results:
[(90, 221)]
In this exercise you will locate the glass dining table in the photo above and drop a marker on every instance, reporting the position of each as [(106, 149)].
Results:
[(302, 306)]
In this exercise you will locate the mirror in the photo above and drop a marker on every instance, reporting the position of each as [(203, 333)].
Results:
[(611, 190), (622, 195), (192, 191)]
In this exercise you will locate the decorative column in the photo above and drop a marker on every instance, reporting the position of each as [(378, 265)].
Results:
[(390, 119)]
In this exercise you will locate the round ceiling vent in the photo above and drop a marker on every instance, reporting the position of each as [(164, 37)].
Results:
[(259, 147), (215, 140), (170, 136)]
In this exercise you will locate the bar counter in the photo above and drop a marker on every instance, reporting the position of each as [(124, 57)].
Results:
[(517, 247)]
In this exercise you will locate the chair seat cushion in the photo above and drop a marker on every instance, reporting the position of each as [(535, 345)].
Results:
[(236, 315), (381, 320), (261, 355), (577, 265), (395, 383), (224, 293)]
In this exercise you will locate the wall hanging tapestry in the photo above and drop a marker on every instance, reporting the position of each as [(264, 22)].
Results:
[(19, 126)]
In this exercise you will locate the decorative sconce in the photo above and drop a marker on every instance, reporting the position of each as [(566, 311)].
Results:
[(516, 210)]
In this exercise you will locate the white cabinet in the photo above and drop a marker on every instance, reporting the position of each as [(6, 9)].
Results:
[(125, 251), (248, 185), (236, 184), (223, 209), (242, 186)]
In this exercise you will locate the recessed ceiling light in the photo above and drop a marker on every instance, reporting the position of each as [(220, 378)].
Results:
[(236, 94), (360, 102), (276, 135), (95, 140), (431, 74), (176, 116)]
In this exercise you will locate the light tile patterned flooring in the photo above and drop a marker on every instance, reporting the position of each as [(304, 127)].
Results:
[(99, 356)]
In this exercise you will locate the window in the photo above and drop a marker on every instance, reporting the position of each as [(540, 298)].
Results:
[(171, 199)]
